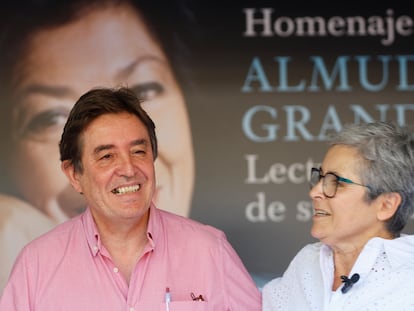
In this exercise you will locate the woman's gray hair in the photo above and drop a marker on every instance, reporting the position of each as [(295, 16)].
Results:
[(387, 165)]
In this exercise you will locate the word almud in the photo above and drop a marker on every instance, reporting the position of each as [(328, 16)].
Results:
[(336, 77), (262, 22)]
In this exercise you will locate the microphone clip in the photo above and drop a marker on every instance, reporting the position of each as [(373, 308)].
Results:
[(348, 282)]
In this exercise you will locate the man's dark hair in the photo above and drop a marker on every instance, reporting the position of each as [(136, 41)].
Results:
[(90, 106)]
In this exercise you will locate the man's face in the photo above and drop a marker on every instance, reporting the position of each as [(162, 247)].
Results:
[(118, 177), (108, 47)]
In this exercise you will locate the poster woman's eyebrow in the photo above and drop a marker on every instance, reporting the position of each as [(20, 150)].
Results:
[(43, 89), (139, 61)]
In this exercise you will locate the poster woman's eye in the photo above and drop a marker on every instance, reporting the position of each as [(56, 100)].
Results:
[(148, 91), (45, 126)]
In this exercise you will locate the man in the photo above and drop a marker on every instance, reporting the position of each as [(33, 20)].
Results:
[(89, 43), (123, 253)]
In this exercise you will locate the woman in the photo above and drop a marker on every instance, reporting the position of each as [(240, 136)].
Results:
[(362, 197), (64, 49)]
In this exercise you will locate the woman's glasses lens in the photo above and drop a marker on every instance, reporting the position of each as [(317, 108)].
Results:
[(315, 177), (329, 184)]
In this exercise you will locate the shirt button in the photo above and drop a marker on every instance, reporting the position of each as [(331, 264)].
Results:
[(116, 271), (131, 309), (95, 248)]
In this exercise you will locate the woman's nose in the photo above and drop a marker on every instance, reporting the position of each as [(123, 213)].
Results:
[(316, 190)]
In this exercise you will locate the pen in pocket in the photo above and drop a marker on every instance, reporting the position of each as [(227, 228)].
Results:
[(167, 299)]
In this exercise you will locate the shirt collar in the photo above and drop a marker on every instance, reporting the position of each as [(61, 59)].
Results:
[(154, 229), (91, 232), (399, 251)]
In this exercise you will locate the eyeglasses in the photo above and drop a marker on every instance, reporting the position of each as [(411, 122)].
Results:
[(330, 182)]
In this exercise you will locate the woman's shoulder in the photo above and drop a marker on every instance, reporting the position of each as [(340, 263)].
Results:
[(306, 256)]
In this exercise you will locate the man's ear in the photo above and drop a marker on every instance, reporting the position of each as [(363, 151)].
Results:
[(388, 205), (70, 172)]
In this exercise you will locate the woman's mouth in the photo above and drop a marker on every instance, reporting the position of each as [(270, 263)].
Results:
[(319, 212)]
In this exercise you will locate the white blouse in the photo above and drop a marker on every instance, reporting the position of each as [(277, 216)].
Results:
[(386, 283)]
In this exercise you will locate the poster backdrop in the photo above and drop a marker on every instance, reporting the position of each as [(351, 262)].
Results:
[(254, 90), (277, 78)]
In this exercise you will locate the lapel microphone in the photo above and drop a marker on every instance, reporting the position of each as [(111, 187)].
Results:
[(348, 282)]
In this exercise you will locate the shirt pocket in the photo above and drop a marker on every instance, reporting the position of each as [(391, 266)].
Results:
[(185, 306)]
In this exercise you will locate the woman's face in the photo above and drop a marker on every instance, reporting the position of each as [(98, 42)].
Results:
[(347, 219), (109, 47)]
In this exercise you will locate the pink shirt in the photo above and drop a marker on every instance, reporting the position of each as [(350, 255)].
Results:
[(69, 269)]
